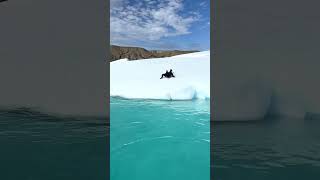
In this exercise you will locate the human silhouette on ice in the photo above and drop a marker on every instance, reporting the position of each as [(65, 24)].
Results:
[(171, 73), (167, 74)]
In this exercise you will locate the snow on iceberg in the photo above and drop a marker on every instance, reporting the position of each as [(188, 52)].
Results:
[(140, 79)]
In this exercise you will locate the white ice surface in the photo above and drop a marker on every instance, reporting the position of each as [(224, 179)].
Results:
[(140, 79)]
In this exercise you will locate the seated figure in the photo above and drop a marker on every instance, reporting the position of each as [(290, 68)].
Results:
[(167, 74)]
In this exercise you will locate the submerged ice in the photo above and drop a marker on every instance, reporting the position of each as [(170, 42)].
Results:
[(140, 79)]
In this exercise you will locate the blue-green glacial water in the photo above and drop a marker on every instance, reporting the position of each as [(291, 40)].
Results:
[(159, 140)]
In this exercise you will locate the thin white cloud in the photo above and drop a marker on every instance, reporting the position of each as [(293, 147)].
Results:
[(203, 4), (148, 20)]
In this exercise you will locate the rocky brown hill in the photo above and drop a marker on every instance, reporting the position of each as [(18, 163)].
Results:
[(134, 53)]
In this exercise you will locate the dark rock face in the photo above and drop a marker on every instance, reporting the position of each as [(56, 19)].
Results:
[(134, 53)]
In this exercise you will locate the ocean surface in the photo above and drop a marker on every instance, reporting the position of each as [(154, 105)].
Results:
[(35, 146), (274, 149), (159, 140), (156, 140)]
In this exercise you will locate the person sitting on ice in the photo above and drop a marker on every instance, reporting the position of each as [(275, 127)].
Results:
[(171, 73), (167, 74)]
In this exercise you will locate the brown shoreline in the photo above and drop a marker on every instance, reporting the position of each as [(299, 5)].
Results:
[(135, 53)]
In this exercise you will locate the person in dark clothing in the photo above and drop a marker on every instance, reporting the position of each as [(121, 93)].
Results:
[(171, 73), (167, 74)]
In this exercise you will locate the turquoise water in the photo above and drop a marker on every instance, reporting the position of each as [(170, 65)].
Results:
[(274, 149), (159, 140), (35, 146)]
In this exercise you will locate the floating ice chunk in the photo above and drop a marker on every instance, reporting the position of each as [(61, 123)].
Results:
[(140, 79)]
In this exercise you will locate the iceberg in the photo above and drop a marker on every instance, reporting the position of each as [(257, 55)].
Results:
[(140, 79), (43, 64)]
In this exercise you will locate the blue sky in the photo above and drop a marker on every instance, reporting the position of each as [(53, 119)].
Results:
[(161, 24)]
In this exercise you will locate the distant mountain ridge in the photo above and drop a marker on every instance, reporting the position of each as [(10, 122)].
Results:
[(135, 53)]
